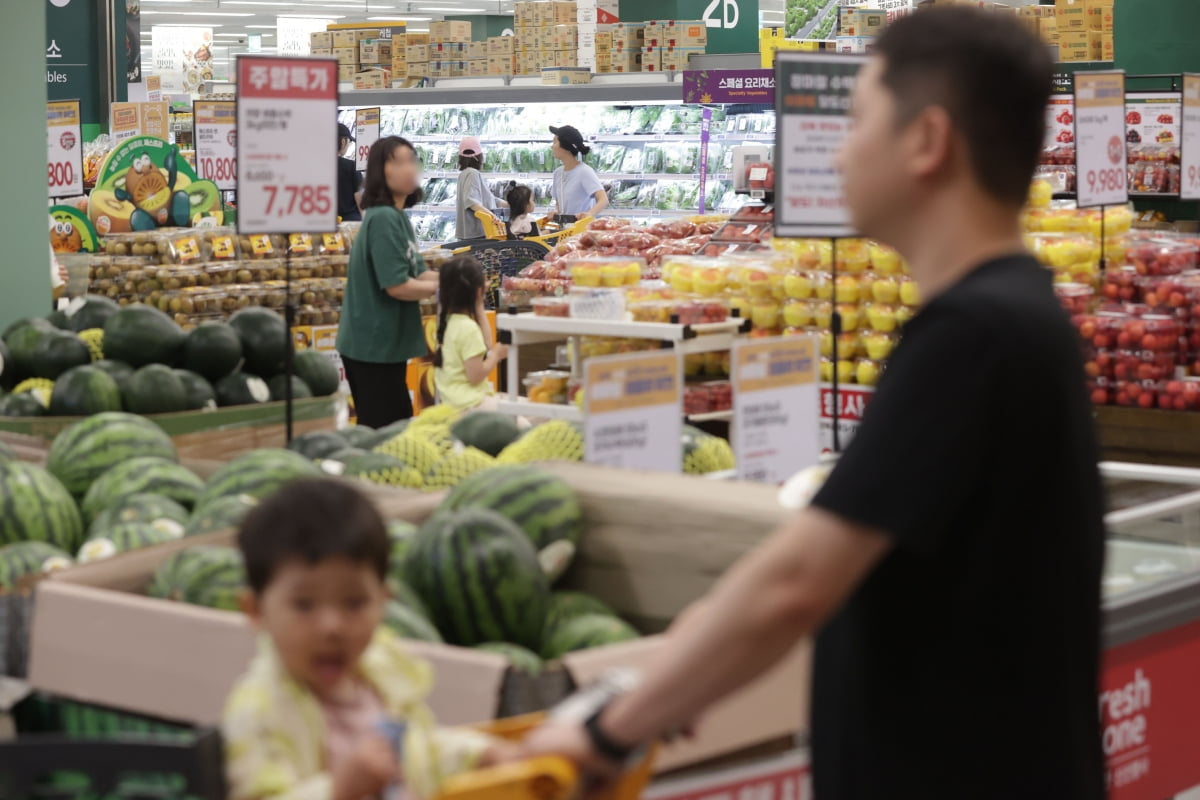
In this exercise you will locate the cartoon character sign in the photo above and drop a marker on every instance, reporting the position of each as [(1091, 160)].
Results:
[(145, 184), (70, 231)]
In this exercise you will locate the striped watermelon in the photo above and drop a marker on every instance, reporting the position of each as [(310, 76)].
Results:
[(145, 475), (257, 474), (317, 444), (520, 658), (89, 448), (34, 507), (479, 577), (219, 515), (138, 508), (29, 558), (209, 576), (589, 630), (566, 606), (407, 623), (129, 536), (401, 533), (359, 436), (540, 503)]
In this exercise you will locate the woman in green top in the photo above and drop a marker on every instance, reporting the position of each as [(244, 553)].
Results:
[(380, 329)]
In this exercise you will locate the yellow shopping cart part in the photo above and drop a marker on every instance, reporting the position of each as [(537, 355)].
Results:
[(542, 778), (492, 227), (554, 237)]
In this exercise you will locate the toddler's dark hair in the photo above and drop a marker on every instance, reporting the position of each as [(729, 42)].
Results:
[(518, 198), (310, 521), (459, 282)]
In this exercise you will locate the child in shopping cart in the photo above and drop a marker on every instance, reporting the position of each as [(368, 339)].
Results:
[(305, 721), (521, 224), (463, 361)]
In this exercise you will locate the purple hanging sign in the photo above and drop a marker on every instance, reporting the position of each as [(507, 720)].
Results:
[(729, 86)]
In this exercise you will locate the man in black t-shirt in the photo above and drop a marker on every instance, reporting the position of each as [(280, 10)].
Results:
[(349, 179), (950, 565)]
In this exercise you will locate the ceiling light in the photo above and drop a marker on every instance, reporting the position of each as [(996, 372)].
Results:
[(270, 27), (312, 16), (452, 10), (166, 1), (399, 18), (186, 24), (199, 13)]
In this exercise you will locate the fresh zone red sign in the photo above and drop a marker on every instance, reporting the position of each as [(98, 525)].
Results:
[(782, 782), (852, 402)]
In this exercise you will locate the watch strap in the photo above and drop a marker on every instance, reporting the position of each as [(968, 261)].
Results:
[(602, 742)]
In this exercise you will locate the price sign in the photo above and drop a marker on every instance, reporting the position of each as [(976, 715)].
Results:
[(286, 144), (812, 105), (366, 133), (1189, 156), (1100, 138), (64, 149), (776, 426), (215, 127), (634, 410)]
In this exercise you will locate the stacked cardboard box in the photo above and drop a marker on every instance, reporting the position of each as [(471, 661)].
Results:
[(547, 35), (628, 41), (346, 46), (448, 49), (590, 16), (400, 59), (668, 46), (1100, 30), (1071, 25), (1040, 20), (501, 55)]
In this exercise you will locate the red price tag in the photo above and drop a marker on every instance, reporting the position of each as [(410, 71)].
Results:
[(215, 134), (218, 170), (284, 201), (64, 149)]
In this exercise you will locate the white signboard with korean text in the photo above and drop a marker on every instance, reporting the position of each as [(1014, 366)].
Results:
[(215, 134), (64, 149), (366, 133), (1189, 139), (776, 428), (634, 411), (1100, 161)]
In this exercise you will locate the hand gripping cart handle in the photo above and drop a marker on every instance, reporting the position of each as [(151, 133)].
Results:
[(542, 778)]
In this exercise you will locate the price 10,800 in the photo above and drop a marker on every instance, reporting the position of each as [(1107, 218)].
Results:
[(305, 200), (218, 169), (61, 173), (1106, 180)]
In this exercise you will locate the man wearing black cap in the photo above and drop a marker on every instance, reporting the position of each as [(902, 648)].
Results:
[(349, 179), (577, 189)]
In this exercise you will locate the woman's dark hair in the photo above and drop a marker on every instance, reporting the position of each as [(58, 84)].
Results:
[(518, 198), (472, 162), (311, 521), (583, 150), (459, 281), (375, 188)]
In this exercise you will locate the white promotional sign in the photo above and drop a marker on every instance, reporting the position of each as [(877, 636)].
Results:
[(64, 149), (1100, 164), (286, 144), (1189, 139), (153, 89), (812, 103), (183, 58), (292, 34), (215, 134), (634, 411), (776, 413), (366, 133)]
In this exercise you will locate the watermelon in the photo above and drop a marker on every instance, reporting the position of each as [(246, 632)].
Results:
[(24, 340), (382, 469), (386, 434), (240, 389), (34, 506), (155, 389), (139, 508), (540, 503), (359, 436), (89, 448), (220, 515), (145, 475), (317, 371), (198, 393), (486, 430), (29, 558), (24, 404), (407, 623), (119, 371), (278, 388), (456, 466), (402, 593), (58, 352), (128, 536), (58, 319), (257, 474), (83, 391), (583, 632), (566, 606), (556, 440), (213, 350), (479, 577), (8, 373), (141, 335), (264, 340), (520, 658), (13, 330), (211, 576), (341, 457), (90, 311), (317, 444), (401, 533), (412, 450), (6, 452)]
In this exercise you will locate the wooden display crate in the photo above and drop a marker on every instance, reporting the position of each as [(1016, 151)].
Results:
[(1149, 436)]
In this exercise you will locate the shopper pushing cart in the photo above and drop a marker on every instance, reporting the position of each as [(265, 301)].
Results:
[(950, 565)]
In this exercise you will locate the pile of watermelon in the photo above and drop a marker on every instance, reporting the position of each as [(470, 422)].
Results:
[(98, 356)]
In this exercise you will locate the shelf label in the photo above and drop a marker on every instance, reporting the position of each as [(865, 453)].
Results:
[(1189, 136), (812, 108), (633, 407), (776, 428), (1100, 138), (215, 126), (287, 171), (64, 149), (366, 133)]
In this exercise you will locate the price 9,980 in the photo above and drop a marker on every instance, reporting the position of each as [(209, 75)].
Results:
[(1106, 180), (307, 200)]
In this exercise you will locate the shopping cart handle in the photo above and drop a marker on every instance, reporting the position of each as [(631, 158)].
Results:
[(542, 778)]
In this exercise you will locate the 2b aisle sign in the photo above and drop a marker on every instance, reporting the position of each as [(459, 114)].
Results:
[(634, 411), (286, 144), (775, 424), (64, 149), (1100, 138), (1189, 156), (215, 126), (366, 133)]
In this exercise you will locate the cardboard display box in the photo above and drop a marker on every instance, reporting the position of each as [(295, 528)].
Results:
[(500, 45), (416, 53), (374, 51), (1071, 15), (344, 39), (651, 549), (447, 51), (377, 78), (1101, 46), (320, 39), (566, 76), (477, 51), (1073, 46), (502, 65), (346, 56), (450, 31)]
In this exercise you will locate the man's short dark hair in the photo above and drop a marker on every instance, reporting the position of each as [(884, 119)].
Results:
[(990, 74), (310, 521)]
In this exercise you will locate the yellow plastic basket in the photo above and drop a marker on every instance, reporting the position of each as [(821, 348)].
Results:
[(491, 228), (543, 778), (555, 237)]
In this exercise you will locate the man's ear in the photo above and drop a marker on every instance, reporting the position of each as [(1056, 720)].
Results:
[(930, 141), (248, 603)]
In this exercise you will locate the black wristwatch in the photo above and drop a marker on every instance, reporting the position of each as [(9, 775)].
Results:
[(586, 706), (602, 742)]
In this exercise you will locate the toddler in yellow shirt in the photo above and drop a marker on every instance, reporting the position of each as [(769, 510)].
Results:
[(464, 357)]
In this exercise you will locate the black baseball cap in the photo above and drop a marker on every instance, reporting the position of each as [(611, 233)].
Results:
[(344, 132), (569, 137)]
